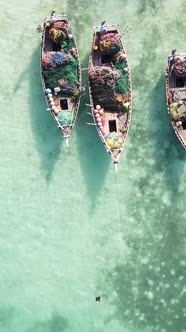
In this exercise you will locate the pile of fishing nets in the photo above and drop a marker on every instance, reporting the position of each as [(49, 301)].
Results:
[(61, 25), (60, 34), (67, 88), (67, 74), (110, 43), (177, 111), (180, 68), (102, 83), (122, 84), (107, 82), (58, 31), (104, 95), (53, 58), (113, 141), (103, 75), (57, 36), (65, 118)]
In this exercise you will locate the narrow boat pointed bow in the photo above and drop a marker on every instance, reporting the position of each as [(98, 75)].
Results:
[(110, 88), (60, 72)]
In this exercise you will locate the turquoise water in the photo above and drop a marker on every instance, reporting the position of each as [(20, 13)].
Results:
[(70, 229)]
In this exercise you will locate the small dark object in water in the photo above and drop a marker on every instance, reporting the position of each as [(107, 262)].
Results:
[(52, 13), (98, 298)]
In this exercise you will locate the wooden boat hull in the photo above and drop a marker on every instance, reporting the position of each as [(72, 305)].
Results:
[(112, 100), (175, 86), (62, 95)]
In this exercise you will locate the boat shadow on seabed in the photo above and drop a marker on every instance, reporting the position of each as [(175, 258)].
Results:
[(47, 138), (94, 160)]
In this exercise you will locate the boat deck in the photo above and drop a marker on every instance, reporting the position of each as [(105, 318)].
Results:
[(113, 117), (63, 103), (121, 121)]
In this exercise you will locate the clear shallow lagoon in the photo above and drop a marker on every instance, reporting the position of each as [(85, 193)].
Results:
[(69, 228)]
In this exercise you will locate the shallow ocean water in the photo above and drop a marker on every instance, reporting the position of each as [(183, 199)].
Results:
[(70, 228)]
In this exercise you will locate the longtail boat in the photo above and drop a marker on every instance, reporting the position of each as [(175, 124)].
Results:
[(175, 82), (110, 88), (60, 72)]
